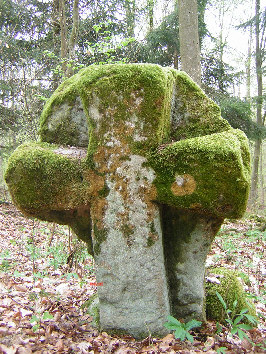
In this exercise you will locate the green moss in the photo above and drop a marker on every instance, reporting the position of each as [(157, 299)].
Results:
[(100, 236), (193, 113), (153, 235), (152, 228), (230, 289), (159, 104), (65, 133), (81, 225), (148, 83), (219, 166), (103, 193), (41, 180), (92, 306), (127, 231), (150, 241), (124, 158), (171, 106)]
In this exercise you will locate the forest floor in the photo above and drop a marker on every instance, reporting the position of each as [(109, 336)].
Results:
[(47, 278)]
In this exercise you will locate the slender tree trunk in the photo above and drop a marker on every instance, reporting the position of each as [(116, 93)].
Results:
[(63, 33), (248, 67), (176, 59), (255, 173), (130, 6), (56, 27), (262, 177), (73, 36), (189, 39), (151, 13)]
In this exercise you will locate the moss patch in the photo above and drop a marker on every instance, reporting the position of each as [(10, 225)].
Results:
[(100, 235), (219, 168), (41, 180), (230, 289), (92, 306), (116, 92), (167, 105), (193, 113), (157, 113)]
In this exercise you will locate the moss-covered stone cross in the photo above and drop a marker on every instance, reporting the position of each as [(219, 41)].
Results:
[(138, 161)]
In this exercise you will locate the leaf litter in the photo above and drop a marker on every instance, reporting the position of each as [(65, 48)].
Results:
[(47, 277)]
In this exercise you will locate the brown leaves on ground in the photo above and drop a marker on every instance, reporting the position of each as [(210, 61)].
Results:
[(43, 295)]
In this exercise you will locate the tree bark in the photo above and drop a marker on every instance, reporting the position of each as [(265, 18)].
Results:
[(63, 34), (248, 68), (262, 177), (189, 39), (73, 36), (176, 59), (255, 173), (151, 13), (56, 27)]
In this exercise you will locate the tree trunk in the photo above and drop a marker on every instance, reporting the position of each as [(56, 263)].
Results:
[(130, 7), (73, 37), (262, 178), (151, 13), (56, 27), (255, 173), (189, 39), (248, 67), (63, 33), (176, 59)]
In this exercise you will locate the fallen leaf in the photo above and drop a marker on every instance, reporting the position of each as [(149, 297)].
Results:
[(60, 345), (168, 339), (24, 350), (20, 287), (209, 343), (7, 350)]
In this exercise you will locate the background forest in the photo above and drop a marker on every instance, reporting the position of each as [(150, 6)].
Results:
[(44, 41)]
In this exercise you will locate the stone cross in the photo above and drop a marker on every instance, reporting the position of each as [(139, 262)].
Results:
[(138, 161)]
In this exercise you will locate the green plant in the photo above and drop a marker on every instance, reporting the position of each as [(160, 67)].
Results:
[(17, 274), (38, 319), (235, 322), (57, 255), (6, 264), (181, 329), (255, 235), (33, 251)]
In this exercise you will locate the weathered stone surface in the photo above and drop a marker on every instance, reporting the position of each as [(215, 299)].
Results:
[(67, 124), (161, 171), (187, 240)]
